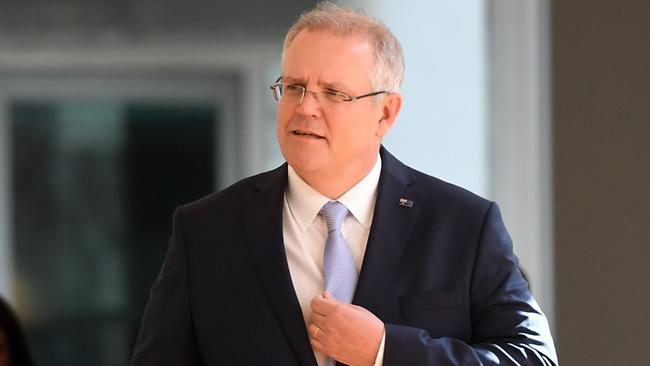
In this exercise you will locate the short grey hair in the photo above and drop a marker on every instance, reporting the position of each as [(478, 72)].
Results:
[(388, 71)]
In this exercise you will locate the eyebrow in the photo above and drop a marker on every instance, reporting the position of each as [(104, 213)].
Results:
[(334, 86), (289, 79), (325, 85)]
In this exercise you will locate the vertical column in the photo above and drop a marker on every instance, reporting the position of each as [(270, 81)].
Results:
[(520, 140), (6, 263)]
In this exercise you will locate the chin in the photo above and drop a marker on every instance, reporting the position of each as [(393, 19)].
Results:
[(302, 165), (303, 157)]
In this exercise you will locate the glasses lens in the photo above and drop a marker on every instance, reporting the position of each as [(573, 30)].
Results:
[(334, 96), (292, 94)]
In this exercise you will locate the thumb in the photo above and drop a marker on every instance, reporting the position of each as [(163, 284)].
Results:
[(328, 296)]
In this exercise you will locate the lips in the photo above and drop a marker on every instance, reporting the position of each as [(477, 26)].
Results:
[(307, 134)]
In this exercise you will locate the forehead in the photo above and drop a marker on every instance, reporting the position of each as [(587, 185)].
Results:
[(323, 57)]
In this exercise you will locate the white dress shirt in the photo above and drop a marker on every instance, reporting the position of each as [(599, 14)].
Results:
[(305, 233)]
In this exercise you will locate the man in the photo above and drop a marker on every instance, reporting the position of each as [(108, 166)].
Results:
[(262, 273)]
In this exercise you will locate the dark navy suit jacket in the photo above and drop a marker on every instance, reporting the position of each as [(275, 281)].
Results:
[(440, 274)]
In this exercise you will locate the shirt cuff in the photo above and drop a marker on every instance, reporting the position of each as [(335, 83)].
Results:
[(379, 361)]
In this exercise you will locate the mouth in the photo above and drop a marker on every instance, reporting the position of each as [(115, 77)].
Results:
[(307, 134)]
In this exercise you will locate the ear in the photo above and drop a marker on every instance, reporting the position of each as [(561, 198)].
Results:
[(390, 106)]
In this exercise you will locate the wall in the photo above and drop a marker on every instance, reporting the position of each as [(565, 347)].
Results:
[(520, 136), (46, 24), (601, 119), (442, 129)]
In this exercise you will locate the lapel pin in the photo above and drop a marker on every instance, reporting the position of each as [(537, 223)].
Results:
[(405, 203)]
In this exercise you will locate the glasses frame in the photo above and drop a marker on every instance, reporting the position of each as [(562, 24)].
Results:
[(346, 98)]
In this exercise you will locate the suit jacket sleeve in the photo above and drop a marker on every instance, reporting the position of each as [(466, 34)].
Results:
[(166, 334), (508, 327)]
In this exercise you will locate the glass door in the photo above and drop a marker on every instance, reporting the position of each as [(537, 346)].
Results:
[(94, 180)]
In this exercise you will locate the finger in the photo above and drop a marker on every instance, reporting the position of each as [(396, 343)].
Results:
[(317, 345), (330, 299), (319, 320), (314, 330), (317, 307), (323, 306)]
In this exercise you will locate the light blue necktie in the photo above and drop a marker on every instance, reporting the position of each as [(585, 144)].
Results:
[(338, 264)]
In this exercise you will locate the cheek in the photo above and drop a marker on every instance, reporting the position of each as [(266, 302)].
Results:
[(365, 125), (355, 131)]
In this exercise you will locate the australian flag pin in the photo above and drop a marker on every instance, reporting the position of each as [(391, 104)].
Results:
[(405, 203)]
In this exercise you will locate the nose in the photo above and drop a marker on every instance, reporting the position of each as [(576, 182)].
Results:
[(309, 105)]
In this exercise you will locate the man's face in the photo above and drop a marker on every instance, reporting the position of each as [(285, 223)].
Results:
[(324, 137)]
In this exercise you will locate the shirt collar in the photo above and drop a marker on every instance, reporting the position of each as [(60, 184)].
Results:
[(305, 202)]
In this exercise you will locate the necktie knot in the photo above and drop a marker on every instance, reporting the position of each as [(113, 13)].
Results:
[(334, 213)]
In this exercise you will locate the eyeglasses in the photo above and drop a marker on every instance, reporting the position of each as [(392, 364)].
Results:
[(294, 94)]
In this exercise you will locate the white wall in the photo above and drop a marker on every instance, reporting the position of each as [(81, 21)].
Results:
[(442, 127)]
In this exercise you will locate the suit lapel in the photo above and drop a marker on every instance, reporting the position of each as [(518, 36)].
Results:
[(392, 225), (263, 226)]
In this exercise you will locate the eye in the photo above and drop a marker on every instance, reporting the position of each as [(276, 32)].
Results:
[(335, 95), (293, 88)]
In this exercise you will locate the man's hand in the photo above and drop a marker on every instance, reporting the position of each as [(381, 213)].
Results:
[(347, 333)]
